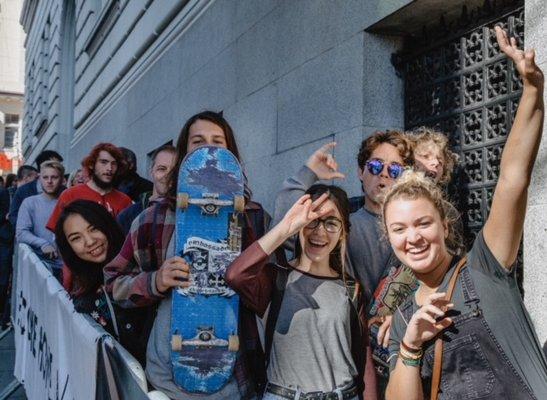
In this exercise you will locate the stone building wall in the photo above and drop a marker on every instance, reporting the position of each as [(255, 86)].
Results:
[(535, 227), (288, 75)]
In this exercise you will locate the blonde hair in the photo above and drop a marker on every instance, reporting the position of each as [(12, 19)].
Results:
[(414, 185), (424, 135), (56, 165)]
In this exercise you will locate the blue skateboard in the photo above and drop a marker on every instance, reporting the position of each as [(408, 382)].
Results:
[(204, 319)]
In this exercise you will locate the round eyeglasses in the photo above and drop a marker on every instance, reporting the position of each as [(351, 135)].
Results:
[(331, 224), (376, 166)]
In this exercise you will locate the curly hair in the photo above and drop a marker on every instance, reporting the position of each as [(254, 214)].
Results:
[(414, 185), (394, 138), (423, 136), (88, 163)]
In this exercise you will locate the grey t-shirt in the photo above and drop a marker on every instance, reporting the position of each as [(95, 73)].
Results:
[(311, 346), (158, 362), (370, 254), (504, 311)]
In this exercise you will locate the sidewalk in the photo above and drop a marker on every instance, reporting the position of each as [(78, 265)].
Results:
[(7, 360)]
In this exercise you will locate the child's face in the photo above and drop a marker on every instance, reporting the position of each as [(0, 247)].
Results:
[(429, 159)]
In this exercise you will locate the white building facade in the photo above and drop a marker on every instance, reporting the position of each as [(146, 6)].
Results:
[(12, 84)]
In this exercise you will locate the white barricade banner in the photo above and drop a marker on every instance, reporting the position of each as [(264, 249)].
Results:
[(56, 348)]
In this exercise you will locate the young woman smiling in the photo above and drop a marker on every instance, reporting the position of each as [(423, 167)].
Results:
[(490, 348), (88, 237), (314, 331)]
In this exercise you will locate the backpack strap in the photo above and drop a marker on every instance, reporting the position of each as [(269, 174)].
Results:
[(282, 274)]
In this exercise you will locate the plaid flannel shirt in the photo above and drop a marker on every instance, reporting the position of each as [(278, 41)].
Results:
[(130, 278)]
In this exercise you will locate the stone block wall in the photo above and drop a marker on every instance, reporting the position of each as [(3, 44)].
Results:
[(288, 76), (535, 227)]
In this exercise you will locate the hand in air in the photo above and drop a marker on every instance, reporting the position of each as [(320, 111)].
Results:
[(323, 164), (524, 60), (173, 273), (304, 211), (428, 321)]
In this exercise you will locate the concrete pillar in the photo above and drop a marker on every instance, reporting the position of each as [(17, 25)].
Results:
[(535, 227)]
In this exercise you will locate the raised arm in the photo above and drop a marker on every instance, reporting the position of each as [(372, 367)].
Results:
[(503, 228), (321, 165)]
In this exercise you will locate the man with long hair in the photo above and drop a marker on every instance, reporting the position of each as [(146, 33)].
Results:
[(103, 165)]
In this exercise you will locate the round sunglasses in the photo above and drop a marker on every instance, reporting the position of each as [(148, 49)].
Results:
[(376, 166)]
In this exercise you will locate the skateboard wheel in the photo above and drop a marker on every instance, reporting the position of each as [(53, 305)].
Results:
[(239, 204), (176, 342), (233, 343), (182, 200)]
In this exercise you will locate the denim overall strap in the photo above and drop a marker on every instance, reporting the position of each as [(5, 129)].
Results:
[(438, 363), (474, 366)]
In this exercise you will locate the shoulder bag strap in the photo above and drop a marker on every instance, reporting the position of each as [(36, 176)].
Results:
[(438, 361), (112, 313)]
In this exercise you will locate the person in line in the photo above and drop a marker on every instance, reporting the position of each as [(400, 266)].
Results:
[(491, 350), (76, 177), (35, 212), (30, 186), (11, 184), (88, 238), (131, 183), (381, 160), (6, 249), (316, 331), (162, 162), (103, 165), (146, 270)]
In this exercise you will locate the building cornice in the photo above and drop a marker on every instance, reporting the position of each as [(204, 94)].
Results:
[(27, 14)]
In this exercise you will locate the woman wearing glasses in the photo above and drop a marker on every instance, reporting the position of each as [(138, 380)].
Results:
[(314, 333)]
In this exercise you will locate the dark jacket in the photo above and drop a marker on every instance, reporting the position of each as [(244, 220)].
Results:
[(127, 216), (6, 229), (256, 280), (22, 192), (134, 185)]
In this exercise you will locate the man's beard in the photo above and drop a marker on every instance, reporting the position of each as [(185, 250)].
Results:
[(100, 183)]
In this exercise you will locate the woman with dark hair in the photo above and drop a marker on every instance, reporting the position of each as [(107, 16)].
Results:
[(315, 333), (146, 270), (88, 237)]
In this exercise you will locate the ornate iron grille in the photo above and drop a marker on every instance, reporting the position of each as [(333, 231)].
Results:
[(463, 86)]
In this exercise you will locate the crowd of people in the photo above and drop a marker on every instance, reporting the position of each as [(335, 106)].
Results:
[(340, 298)]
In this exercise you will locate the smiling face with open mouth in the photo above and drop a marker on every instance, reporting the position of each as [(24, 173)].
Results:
[(429, 159), (417, 233), (87, 242), (321, 237)]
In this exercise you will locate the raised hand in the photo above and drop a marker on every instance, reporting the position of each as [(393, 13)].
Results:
[(524, 60), (323, 164), (303, 212), (428, 321)]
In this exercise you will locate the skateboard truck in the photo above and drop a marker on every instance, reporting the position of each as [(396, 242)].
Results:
[(205, 337), (210, 203)]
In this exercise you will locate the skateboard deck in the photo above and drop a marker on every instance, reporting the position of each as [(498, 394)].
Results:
[(204, 319)]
